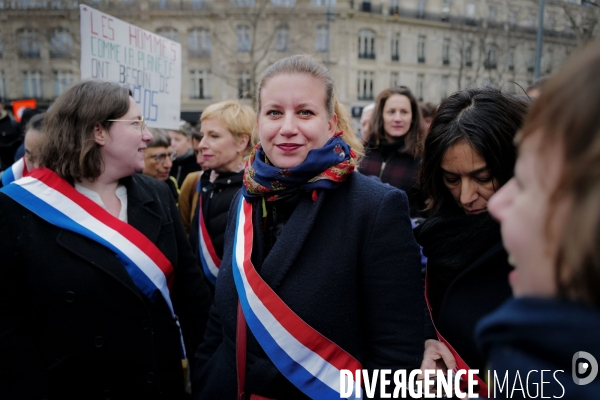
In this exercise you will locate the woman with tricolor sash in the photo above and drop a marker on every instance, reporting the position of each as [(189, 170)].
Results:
[(23, 166), (320, 270), (100, 294), (226, 128), (468, 155)]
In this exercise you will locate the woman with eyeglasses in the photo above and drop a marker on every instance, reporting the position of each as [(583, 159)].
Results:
[(100, 294), (395, 130), (226, 128), (158, 160)]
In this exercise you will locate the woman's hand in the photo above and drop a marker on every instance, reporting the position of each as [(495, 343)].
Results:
[(437, 356)]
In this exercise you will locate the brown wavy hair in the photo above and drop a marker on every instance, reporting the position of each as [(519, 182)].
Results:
[(377, 133), (68, 146)]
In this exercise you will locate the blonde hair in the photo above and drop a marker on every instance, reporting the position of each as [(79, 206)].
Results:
[(237, 118), (305, 64)]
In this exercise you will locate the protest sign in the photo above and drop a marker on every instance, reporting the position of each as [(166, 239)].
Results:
[(149, 64)]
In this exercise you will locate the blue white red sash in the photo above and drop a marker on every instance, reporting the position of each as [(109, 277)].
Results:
[(208, 256), (460, 363), (305, 357), (15, 172), (54, 200)]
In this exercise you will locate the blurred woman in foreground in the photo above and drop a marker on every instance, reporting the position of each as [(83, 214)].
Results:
[(550, 218)]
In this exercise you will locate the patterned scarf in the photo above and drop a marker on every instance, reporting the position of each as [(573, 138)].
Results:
[(324, 168)]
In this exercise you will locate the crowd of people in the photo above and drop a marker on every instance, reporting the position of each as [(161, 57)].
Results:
[(259, 254)]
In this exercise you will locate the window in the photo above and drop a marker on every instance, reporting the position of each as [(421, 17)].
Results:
[(323, 3), (366, 44), (551, 21), (200, 84), (282, 38), (61, 43), (29, 43), (549, 59), (470, 12), (283, 3), (0, 46), (446, 51), (531, 20), (421, 5), (421, 49), (242, 3), (445, 10), (163, 4), (198, 4), (322, 43), (394, 79), (395, 46), (243, 39), (511, 58), (492, 14), (3, 88), (531, 61), (199, 42), (169, 33), (32, 84), (469, 54), (490, 56), (444, 87), (512, 18), (365, 85), (62, 80), (244, 86), (394, 7), (420, 80)]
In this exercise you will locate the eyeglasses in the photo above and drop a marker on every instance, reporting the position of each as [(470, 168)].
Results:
[(161, 157), (141, 122)]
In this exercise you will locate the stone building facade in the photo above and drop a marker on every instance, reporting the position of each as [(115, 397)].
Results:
[(432, 46)]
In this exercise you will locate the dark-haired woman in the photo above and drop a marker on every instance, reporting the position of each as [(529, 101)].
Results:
[(395, 129), (468, 155), (100, 294)]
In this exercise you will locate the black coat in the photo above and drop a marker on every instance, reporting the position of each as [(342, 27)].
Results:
[(183, 165), (348, 265), (216, 199), (73, 325), (399, 169), (480, 289)]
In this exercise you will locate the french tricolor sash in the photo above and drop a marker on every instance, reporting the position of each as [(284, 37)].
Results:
[(208, 256), (460, 363), (15, 172), (54, 200), (305, 357)]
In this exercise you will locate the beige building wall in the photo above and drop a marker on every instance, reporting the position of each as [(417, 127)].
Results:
[(359, 50)]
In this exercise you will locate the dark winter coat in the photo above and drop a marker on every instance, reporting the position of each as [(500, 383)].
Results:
[(216, 199), (468, 277), (73, 325), (395, 167), (529, 335), (183, 165), (348, 265)]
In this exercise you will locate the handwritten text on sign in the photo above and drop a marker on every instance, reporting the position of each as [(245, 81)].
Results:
[(150, 65)]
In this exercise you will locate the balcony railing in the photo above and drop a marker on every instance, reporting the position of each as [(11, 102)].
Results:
[(395, 57), (421, 60), (366, 56)]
